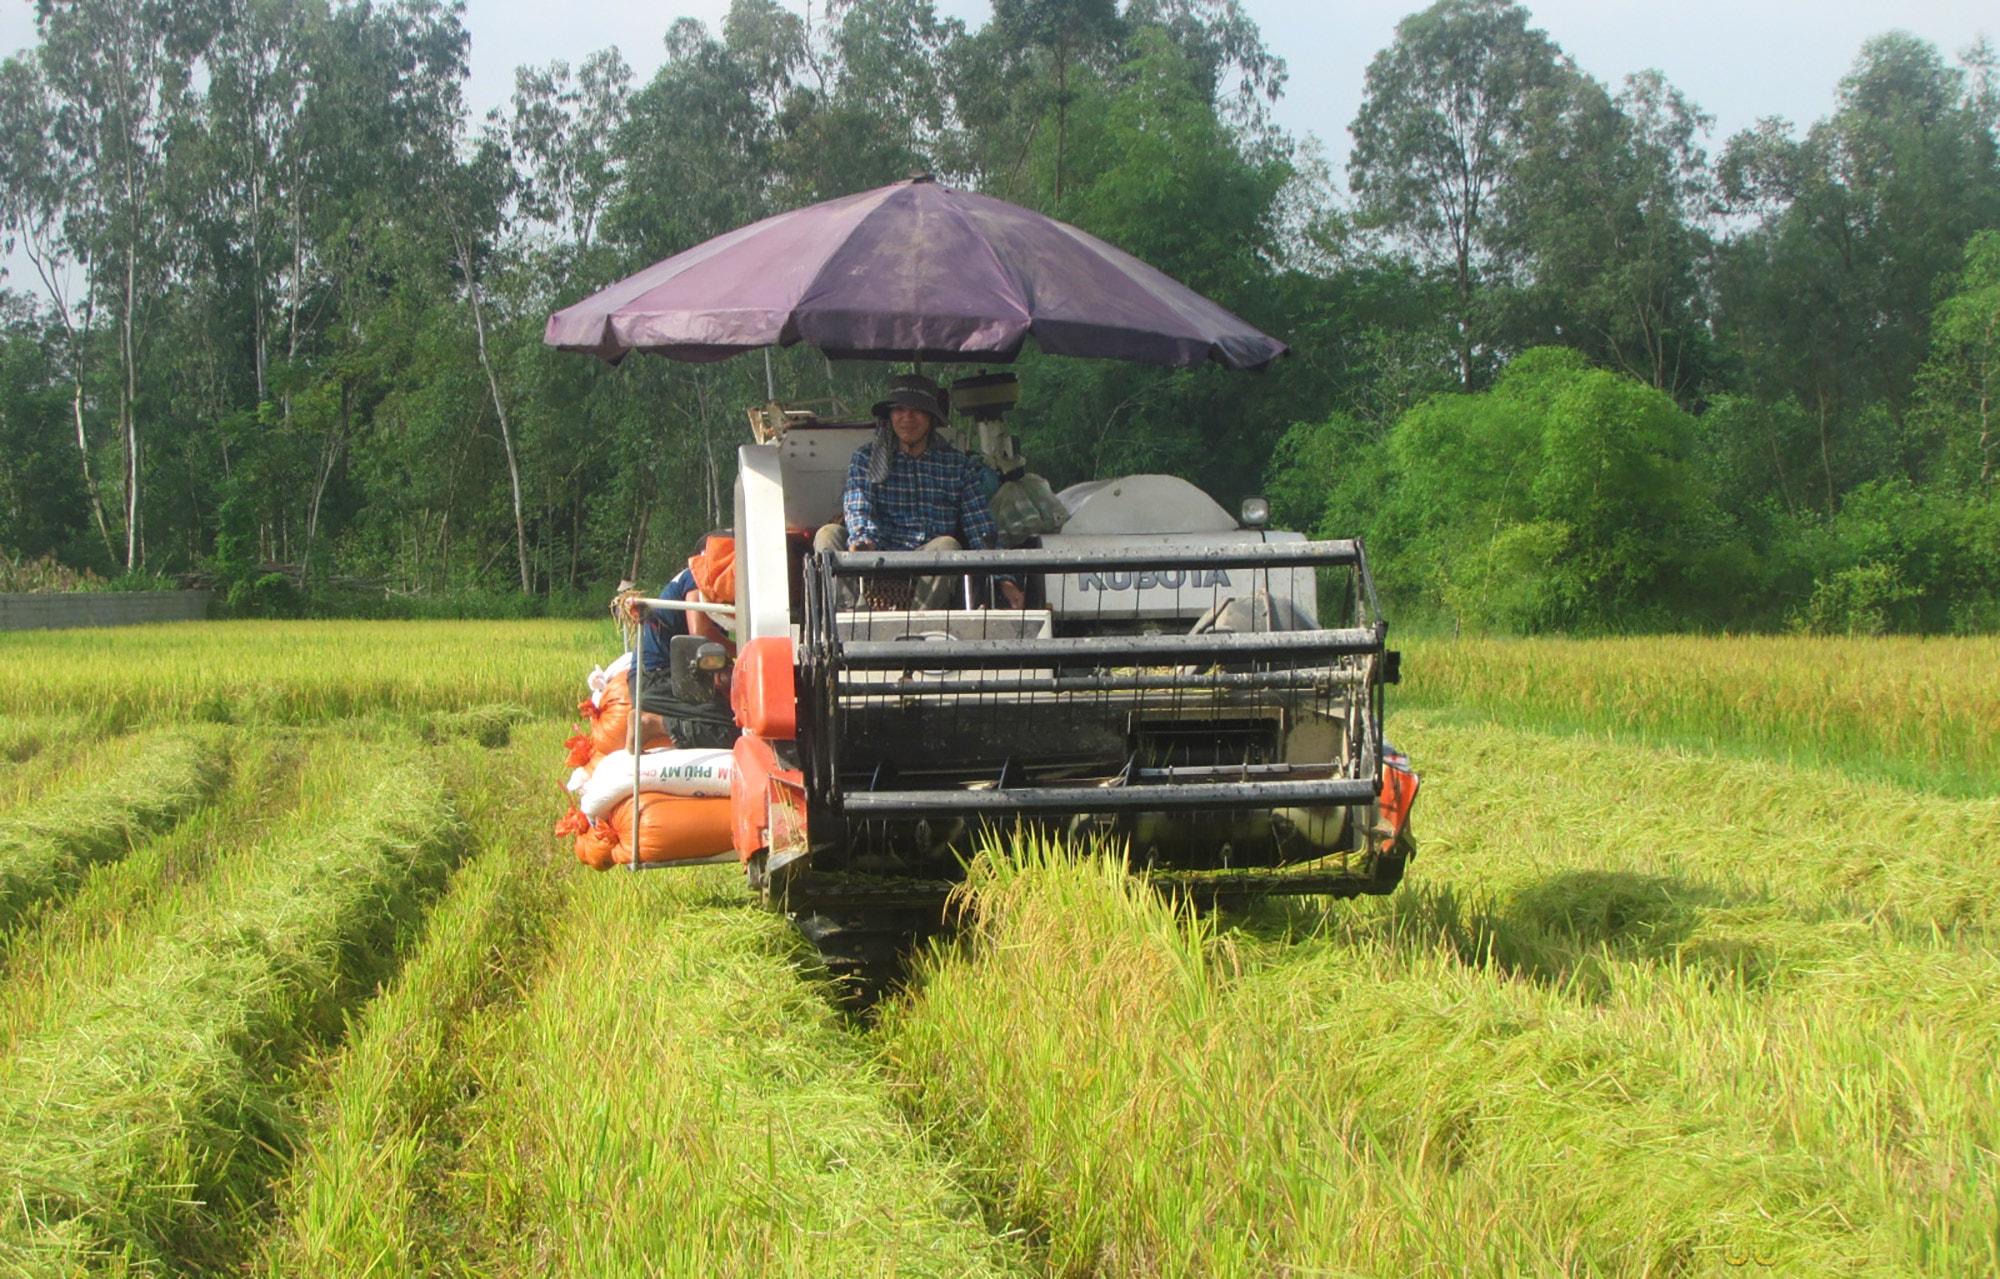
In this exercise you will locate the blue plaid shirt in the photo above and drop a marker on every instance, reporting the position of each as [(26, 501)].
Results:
[(939, 494)]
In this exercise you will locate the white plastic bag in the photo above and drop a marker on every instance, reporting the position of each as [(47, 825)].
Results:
[(692, 774), (603, 676), (1026, 508)]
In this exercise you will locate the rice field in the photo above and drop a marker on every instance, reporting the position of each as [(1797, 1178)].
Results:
[(1695, 973)]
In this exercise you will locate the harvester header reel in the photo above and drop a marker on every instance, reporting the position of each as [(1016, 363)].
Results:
[(981, 715)]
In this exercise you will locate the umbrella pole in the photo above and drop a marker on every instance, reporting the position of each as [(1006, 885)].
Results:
[(770, 382)]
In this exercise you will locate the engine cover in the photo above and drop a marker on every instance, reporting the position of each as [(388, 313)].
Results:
[(1171, 594)]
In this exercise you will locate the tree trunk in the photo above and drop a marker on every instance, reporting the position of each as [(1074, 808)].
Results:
[(1465, 315), (639, 541), (329, 458), (89, 480), (499, 409), (1986, 441), (128, 415)]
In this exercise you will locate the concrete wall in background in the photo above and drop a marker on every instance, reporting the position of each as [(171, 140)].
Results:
[(100, 608)]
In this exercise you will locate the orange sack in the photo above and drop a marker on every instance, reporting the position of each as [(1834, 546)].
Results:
[(596, 850), (671, 829), (611, 725)]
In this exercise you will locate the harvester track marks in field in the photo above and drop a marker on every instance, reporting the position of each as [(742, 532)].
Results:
[(156, 783), (867, 954), (106, 927), (366, 1192), (366, 1183), (36, 751), (670, 1099), (148, 1117)]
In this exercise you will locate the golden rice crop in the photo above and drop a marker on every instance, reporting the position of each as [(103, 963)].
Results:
[(377, 1144), (143, 1119), (168, 882), (672, 1100), (295, 673), (38, 737), (354, 1206), (1923, 711), (141, 787), (1613, 1027)]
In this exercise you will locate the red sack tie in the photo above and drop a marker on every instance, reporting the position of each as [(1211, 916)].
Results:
[(588, 709), (573, 823), (579, 749)]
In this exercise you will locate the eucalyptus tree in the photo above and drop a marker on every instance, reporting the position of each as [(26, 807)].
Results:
[(262, 64), (559, 130), (1439, 132), (38, 185), (1829, 297), (122, 74), (1608, 207), (695, 149), (871, 104)]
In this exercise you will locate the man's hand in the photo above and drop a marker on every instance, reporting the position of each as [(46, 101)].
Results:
[(1012, 593), (861, 544)]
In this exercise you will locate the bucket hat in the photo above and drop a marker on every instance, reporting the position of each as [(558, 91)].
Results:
[(916, 391)]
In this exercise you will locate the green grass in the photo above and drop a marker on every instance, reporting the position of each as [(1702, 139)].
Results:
[(145, 1119), (1633, 1035), (672, 1099), (139, 788)]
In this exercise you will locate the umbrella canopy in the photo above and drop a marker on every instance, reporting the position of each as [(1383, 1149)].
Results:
[(914, 271)]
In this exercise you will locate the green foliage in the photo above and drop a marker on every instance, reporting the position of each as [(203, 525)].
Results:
[(1897, 556), (1854, 601), (1958, 389), (289, 326), (1565, 497), (46, 573)]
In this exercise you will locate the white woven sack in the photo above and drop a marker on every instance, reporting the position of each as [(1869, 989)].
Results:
[(692, 774)]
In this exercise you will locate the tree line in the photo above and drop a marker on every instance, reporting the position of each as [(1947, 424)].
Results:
[(279, 326)]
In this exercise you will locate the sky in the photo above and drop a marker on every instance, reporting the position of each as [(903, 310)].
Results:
[(1740, 60)]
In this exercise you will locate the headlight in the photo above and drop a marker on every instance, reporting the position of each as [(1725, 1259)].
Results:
[(711, 658), (1256, 512)]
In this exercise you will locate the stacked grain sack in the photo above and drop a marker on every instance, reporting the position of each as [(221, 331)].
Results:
[(682, 807)]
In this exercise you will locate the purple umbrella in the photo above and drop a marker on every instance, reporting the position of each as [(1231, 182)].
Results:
[(914, 271)]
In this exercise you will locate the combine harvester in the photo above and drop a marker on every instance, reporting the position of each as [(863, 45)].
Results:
[(1201, 689)]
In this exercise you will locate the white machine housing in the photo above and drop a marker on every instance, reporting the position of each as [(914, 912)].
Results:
[(1161, 510)]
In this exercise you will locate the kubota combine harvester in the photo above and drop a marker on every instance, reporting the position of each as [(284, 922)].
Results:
[(1204, 690)]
